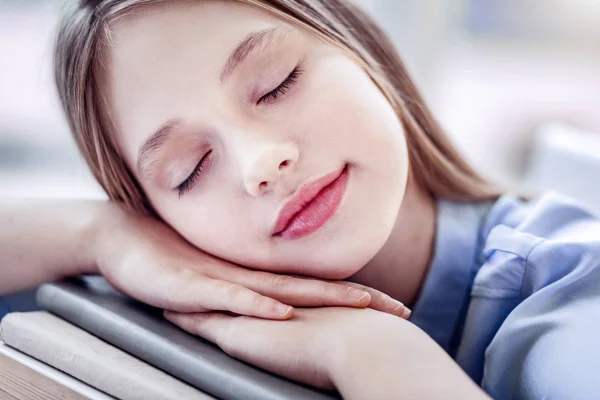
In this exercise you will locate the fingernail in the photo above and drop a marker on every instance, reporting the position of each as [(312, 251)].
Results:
[(400, 309), (407, 313), (283, 309), (358, 294)]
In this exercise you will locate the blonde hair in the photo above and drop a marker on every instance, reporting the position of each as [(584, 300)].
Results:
[(435, 163)]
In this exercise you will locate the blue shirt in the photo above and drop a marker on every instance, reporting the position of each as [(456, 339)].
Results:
[(18, 302), (513, 295)]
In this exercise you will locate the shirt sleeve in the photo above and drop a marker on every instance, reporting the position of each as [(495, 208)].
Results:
[(549, 345)]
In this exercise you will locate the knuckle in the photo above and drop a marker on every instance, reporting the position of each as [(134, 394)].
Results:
[(199, 321), (225, 271), (260, 278), (332, 288), (326, 291), (280, 281), (191, 324), (226, 289), (259, 303)]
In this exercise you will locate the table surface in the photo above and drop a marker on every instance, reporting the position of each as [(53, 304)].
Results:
[(19, 382)]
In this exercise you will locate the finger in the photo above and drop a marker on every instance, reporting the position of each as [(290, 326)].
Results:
[(381, 301), (302, 292), (218, 328), (240, 337), (210, 326), (203, 293)]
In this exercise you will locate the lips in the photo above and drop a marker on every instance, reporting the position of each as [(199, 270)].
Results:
[(313, 204)]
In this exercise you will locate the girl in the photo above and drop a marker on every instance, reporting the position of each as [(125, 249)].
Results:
[(286, 136)]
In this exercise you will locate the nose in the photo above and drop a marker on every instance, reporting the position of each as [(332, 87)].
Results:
[(265, 162)]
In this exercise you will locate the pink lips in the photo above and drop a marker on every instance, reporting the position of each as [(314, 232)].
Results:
[(313, 204)]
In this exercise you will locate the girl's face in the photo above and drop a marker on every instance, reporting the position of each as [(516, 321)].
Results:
[(233, 121)]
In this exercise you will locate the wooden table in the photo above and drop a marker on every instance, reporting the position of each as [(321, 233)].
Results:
[(24, 378), (19, 382)]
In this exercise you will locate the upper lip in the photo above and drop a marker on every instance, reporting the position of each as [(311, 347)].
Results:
[(302, 197)]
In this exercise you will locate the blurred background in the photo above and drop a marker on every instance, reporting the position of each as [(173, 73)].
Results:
[(516, 83)]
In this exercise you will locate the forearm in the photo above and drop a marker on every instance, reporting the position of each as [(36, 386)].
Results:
[(45, 240), (406, 365)]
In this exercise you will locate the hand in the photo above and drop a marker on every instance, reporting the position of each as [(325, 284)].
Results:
[(304, 348), (362, 353), (149, 261)]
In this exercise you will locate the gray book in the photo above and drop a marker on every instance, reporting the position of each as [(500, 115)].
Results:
[(93, 305)]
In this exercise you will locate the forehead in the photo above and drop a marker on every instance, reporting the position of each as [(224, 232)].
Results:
[(209, 23), (171, 50)]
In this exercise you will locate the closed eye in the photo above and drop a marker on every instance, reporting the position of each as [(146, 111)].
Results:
[(283, 87), (186, 185)]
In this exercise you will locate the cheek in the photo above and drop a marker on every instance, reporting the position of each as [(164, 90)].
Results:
[(204, 221), (216, 222), (351, 118)]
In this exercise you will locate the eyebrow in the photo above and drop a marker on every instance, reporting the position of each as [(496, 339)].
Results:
[(153, 144), (254, 42)]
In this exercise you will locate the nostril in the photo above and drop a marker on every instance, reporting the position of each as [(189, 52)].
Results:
[(284, 164), (262, 185)]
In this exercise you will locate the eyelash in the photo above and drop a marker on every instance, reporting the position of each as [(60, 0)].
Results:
[(272, 96), (186, 185), (283, 86)]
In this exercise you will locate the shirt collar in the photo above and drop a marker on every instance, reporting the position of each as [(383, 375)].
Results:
[(440, 306)]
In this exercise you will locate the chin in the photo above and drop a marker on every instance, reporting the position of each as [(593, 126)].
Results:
[(336, 273), (347, 262)]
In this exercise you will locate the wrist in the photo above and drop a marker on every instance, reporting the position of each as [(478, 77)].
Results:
[(394, 358), (363, 349), (78, 255), (98, 232)]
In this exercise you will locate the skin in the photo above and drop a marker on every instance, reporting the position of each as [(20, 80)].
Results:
[(45, 240), (261, 150), (160, 69), (374, 355), (165, 65)]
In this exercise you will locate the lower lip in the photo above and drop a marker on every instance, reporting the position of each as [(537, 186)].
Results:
[(319, 210)]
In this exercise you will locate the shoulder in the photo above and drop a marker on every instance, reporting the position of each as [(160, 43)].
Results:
[(548, 216), (547, 252), (521, 237)]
